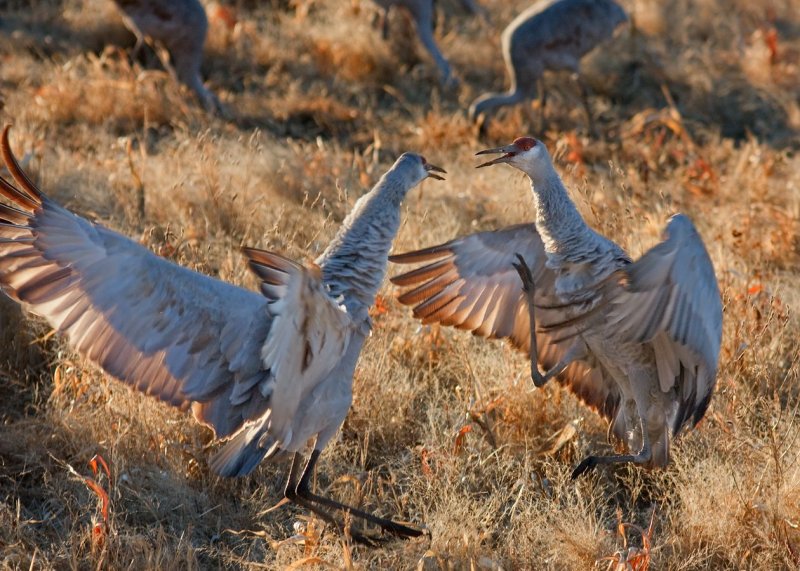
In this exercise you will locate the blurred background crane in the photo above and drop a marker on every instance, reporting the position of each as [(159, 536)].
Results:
[(423, 14), (550, 36), (180, 26)]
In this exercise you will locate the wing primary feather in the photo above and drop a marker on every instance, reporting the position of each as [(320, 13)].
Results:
[(436, 315), (423, 255), (12, 193), (18, 217), (436, 302), (422, 292), (19, 175), (430, 271)]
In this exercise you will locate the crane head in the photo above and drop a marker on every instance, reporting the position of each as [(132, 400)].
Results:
[(432, 169), (413, 168), (523, 148)]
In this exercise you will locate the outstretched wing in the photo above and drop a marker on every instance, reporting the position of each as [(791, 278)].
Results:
[(470, 283), (163, 329), (672, 300)]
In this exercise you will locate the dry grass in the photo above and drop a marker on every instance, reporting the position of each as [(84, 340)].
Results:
[(699, 113)]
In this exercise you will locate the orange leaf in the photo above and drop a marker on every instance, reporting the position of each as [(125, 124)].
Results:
[(771, 39), (753, 290), (460, 438), (225, 15), (380, 307), (93, 465), (100, 528)]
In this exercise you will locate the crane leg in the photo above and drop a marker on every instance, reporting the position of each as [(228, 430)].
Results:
[(542, 103), (588, 463), (575, 351), (585, 100), (483, 125), (380, 20), (644, 455), (299, 490), (137, 48)]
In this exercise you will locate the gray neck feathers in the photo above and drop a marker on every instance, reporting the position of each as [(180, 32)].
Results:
[(566, 236), (560, 224), (354, 264)]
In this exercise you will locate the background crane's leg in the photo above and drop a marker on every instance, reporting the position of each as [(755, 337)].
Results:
[(384, 24), (542, 102), (483, 125), (424, 24), (303, 491), (585, 100), (576, 350), (475, 9)]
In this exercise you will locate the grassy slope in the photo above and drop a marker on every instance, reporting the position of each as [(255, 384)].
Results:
[(303, 146)]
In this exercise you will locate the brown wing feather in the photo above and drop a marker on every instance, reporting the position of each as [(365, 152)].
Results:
[(470, 283)]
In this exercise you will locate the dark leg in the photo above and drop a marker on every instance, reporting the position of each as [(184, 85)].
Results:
[(571, 355), (542, 103), (588, 463), (644, 455), (482, 125), (384, 22), (291, 494), (303, 491), (586, 106)]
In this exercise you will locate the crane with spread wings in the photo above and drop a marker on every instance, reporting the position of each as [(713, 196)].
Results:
[(637, 341), (268, 371)]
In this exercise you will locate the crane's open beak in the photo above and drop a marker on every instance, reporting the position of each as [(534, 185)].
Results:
[(433, 169), (509, 150)]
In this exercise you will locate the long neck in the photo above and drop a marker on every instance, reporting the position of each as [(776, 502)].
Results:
[(559, 223), (354, 264)]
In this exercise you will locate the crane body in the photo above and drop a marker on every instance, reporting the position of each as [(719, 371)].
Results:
[(266, 371), (637, 341)]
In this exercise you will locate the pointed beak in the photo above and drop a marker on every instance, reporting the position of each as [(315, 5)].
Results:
[(509, 151), (433, 169)]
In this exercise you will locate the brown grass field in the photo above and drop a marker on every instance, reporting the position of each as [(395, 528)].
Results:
[(698, 111)]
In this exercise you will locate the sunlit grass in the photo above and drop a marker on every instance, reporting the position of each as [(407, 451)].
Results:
[(698, 113)]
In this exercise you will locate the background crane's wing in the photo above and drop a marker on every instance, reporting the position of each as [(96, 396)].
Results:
[(163, 329), (670, 298), (471, 283)]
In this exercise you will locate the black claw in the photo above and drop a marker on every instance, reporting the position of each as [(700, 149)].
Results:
[(406, 532), (524, 272), (586, 465), (539, 382), (369, 540), (387, 534)]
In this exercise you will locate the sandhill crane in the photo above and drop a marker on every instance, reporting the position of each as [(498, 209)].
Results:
[(550, 36), (422, 13), (636, 341), (267, 372), (181, 27)]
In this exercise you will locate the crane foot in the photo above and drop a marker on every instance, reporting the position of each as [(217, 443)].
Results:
[(586, 465)]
